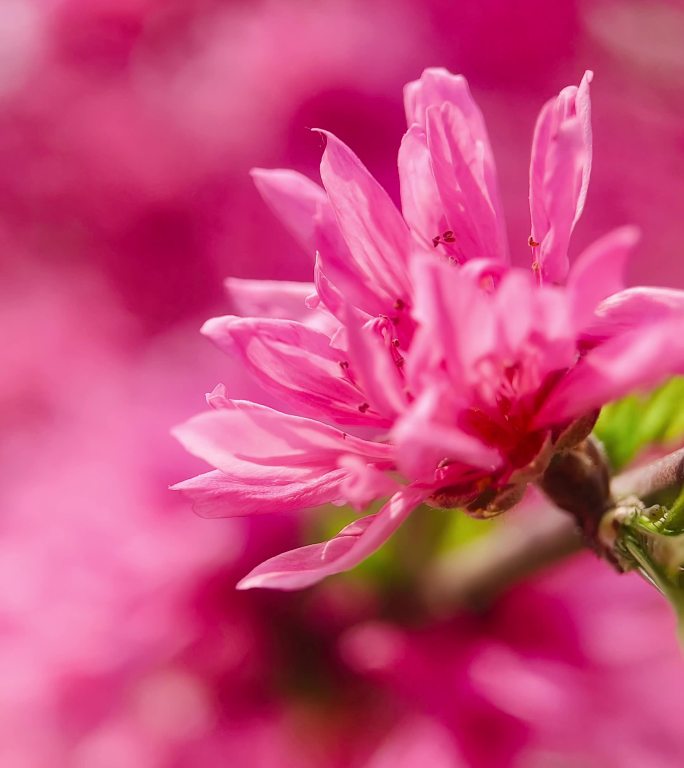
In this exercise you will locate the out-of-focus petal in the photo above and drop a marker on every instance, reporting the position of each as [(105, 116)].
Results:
[(307, 565)]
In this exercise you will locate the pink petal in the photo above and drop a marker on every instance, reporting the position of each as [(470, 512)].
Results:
[(437, 87), (457, 324), (459, 171), (245, 440), (303, 567), (374, 368), (634, 360), (364, 483), (294, 362), (217, 399), (373, 228), (303, 208), (420, 200), (279, 299), (215, 494), (631, 308), (427, 434), (268, 461), (559, 175), (598, 273)]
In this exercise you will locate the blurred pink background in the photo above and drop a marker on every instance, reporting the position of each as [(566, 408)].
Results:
[(127, 130)]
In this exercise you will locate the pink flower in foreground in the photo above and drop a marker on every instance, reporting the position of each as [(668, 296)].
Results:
[(423, 367)]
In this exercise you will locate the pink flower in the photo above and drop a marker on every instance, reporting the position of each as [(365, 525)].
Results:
[(430, 370)]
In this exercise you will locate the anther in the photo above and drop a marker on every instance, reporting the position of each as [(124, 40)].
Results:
[(344, 365), (445, 237), (395, 342), (532, 242), (399, 304), (364, 407)]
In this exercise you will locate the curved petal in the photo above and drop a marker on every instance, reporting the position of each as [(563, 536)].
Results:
[(279, 299), (303, 208), (294, 362), (638, 359), (598, 273), (420, 200), (373, 228), (632, 308), (215, 494), (305, 566), (436, 87), (460, 175), (246, 440), (559, 176)]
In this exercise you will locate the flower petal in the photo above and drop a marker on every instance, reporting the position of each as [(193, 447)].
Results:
[(459, 170), (305, 566), (640, 358), (437, 87), (559, 175), (598, 273), (215, 494), (303, 208), (632, 308), (375, 368), (294, 362), (279, 299), (420, 200), (427, 434), (242, 439), (373, 228)]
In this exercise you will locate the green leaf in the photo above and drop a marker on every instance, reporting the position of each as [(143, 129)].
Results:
[(637, 421)]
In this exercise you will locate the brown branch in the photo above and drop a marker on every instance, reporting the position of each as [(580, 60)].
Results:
[(519, 547), (525, 543), (645, 481)]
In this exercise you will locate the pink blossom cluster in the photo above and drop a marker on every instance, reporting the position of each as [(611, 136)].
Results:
[(419, 364)]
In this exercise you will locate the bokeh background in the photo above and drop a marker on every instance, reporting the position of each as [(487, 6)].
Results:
[(127, 130)]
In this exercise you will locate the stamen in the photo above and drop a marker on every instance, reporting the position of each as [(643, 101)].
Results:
[(446, 237), (399, 304), (395, 342), (364, 407), (344, 365), (532, 242)]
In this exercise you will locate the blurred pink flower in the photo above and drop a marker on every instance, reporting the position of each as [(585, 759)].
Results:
[(473, 371), (579, 667)]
